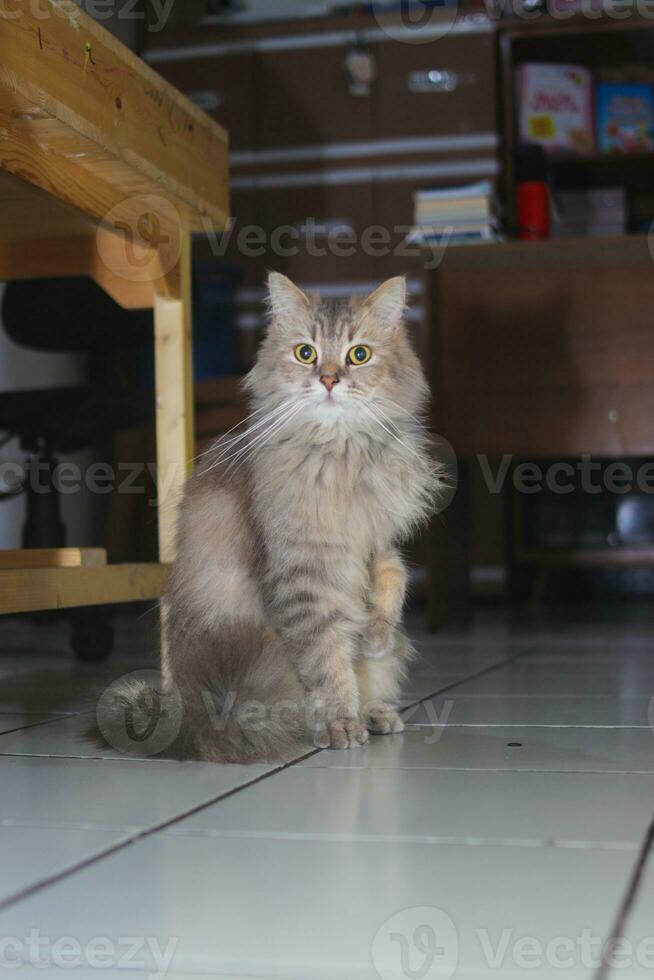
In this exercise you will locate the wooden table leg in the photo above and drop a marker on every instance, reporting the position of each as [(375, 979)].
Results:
[(173, 331)]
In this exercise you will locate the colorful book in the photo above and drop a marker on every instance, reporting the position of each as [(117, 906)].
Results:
[(556, 107), (625, 117)]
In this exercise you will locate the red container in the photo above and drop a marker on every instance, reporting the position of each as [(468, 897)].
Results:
[(533, 210)]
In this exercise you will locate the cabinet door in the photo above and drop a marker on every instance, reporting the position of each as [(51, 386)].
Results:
[(223, 87), (321, 229), (304, 99), (444, 87)]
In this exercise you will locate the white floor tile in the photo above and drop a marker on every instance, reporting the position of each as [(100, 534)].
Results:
[(539, 749), (35, 684), (293, 877), (64, 737), (11, 721), (575, 679), (323, 909), (112, 795), (29, 855), (88, 973), (532, 809), (418, 688), (639, 931), (533, 710)]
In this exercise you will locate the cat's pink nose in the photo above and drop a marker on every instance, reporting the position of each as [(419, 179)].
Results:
[(329, 380)]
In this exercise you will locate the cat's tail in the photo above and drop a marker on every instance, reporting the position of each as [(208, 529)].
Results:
[(239, 704)]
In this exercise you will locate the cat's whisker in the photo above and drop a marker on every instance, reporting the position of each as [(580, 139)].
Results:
[(409, 449), (365, 403), (392, 406), (251, 428), (399, 408), (261, 441), (213, 447), (378, 401), (281, 424), (229, 448), (386, 418), (243, 451)]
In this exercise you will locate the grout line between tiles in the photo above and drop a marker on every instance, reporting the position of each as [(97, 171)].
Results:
[(141, 835), (33, 724), (35, 711), (162, 825), (418, 726), (585, 772), (412, 839), (628, 901), (427, 697), (471, 677)]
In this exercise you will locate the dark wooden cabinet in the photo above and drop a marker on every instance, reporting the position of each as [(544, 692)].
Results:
[(307, 154), (224, 87), (303, 98), (323, 226), (441, 89)]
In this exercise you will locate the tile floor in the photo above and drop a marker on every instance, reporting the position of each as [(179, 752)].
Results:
[(506, 834)]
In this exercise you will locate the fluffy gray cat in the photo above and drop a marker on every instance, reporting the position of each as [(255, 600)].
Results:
[(283, 613)]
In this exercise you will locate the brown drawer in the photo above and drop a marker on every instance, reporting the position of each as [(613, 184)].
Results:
[(223, 87), (229, 247), (245, 216), (330, 207), (444, 87), (304, 99)]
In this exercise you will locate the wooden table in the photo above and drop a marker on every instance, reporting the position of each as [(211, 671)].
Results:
[(535, 350), (105, 171)]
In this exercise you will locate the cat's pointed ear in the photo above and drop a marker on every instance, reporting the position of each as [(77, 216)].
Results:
[(288, 304), (387, 304)]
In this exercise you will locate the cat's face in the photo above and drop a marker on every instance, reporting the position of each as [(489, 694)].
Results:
[(338, 360)]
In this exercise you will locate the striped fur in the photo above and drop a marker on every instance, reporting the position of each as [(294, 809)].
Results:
[(288, 587)]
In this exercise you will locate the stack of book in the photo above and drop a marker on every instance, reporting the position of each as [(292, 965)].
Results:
[(455, 215)]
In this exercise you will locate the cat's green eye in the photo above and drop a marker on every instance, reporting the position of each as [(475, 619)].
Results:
[(306, 354), (359, 355)]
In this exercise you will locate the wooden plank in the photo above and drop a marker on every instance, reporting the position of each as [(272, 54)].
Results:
[(30, 590), (75, 245), (52, 558), (26, 210), (174, 391), (85, 119), (55, 257)]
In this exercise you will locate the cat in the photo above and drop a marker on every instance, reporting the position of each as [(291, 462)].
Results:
[(284, 608)]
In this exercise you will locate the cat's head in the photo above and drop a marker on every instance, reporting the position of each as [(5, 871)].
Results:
[(339, 358)]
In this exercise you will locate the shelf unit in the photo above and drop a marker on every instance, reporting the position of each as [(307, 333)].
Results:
[(601, 45)]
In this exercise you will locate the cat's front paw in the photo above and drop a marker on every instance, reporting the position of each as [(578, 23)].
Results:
[(347, 733), (377, 639), (383, 720)]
